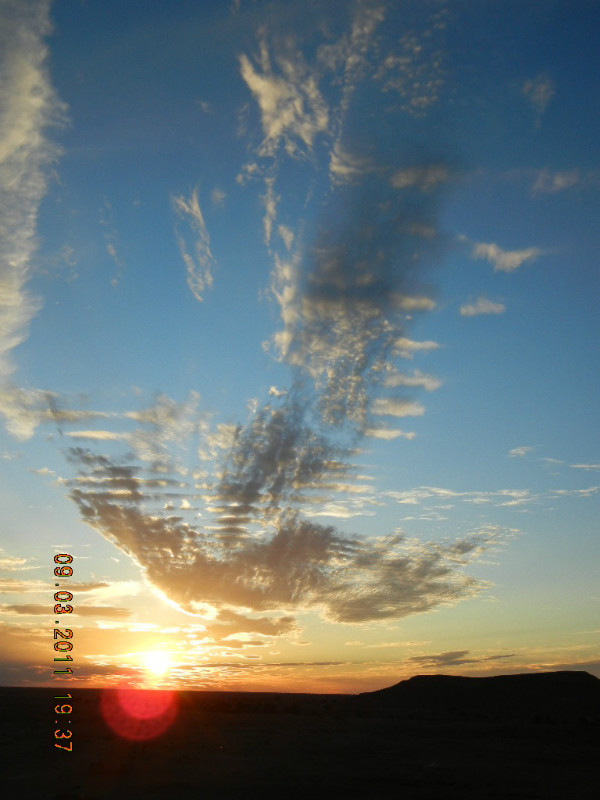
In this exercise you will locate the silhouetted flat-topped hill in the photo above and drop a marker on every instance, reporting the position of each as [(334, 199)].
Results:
[(527, 737), (568, 693)]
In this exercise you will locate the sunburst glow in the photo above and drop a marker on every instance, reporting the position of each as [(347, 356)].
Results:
[(157, 662)]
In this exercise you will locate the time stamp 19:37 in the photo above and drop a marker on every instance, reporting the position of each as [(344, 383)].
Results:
[(63, 647)]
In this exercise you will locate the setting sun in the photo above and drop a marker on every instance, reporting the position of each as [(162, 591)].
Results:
[(157, 662)]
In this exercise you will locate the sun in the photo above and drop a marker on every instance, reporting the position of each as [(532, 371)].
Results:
[(157, 662)]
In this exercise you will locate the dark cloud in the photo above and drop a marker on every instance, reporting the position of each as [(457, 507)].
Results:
[(33, 609), (14, 586), (229, 622), (292, 564), (273, 462), (455, 658), (349, 305)]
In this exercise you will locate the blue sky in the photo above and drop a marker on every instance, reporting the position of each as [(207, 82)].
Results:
[(298, 339)]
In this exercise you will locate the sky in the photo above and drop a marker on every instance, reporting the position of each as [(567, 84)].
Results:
[(298, 341)]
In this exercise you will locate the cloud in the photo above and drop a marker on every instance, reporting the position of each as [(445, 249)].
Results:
[(345, 167), (287, 236), (388, 434), (270, 200), (229, 622), (97, 435), (397, 407), (424, 178), (481, 306), (520, 452), (16, 586), (539, 91), (589, 492), (27, 408), (249, 172), (264, 557), (33, 609), (453, 658), (111, 240), (12, 563), (217, 197), (414, 72), (293, 111), (375, 645), (348, 61), (589, 467), (418, 379), (343, 297), (28, 108), (257, 558), (406, 348), (348, 57), (505, 260), (553, 182), (200, 265), (501, 497), (272, 461), (343, 302)]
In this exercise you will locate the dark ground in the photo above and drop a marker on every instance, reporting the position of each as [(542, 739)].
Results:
[(533, 736)]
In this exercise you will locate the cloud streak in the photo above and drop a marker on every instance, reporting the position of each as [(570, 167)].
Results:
[(292, 108), (197, 256), (345, 312), (505, 260), (263, 556), (28, 108), (481, 306), (539, 91)]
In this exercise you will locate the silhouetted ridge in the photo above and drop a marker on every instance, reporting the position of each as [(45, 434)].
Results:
[(553, 694)]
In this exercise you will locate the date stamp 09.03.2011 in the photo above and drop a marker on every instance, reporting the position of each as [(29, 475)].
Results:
[(63, 647)]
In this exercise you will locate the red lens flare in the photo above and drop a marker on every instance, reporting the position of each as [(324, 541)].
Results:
[(138, 714)]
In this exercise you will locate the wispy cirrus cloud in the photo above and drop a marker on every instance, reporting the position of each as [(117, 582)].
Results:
[(28, 408), (17, 586), (34, 609), (552, 182), (345, 309), (406, 348), (389, 434), (500, 497), (29, 107), (348, 57), (218, 197), (425, 177), (270, 200), (416, 379), (414, 71), (293, 111), (397, 407), (504, 260), (481, 306), (12, 563), (97, 435), (345, 297), (195, 249), (346, 167), (520, 452), (539, 91), (454, 658)]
